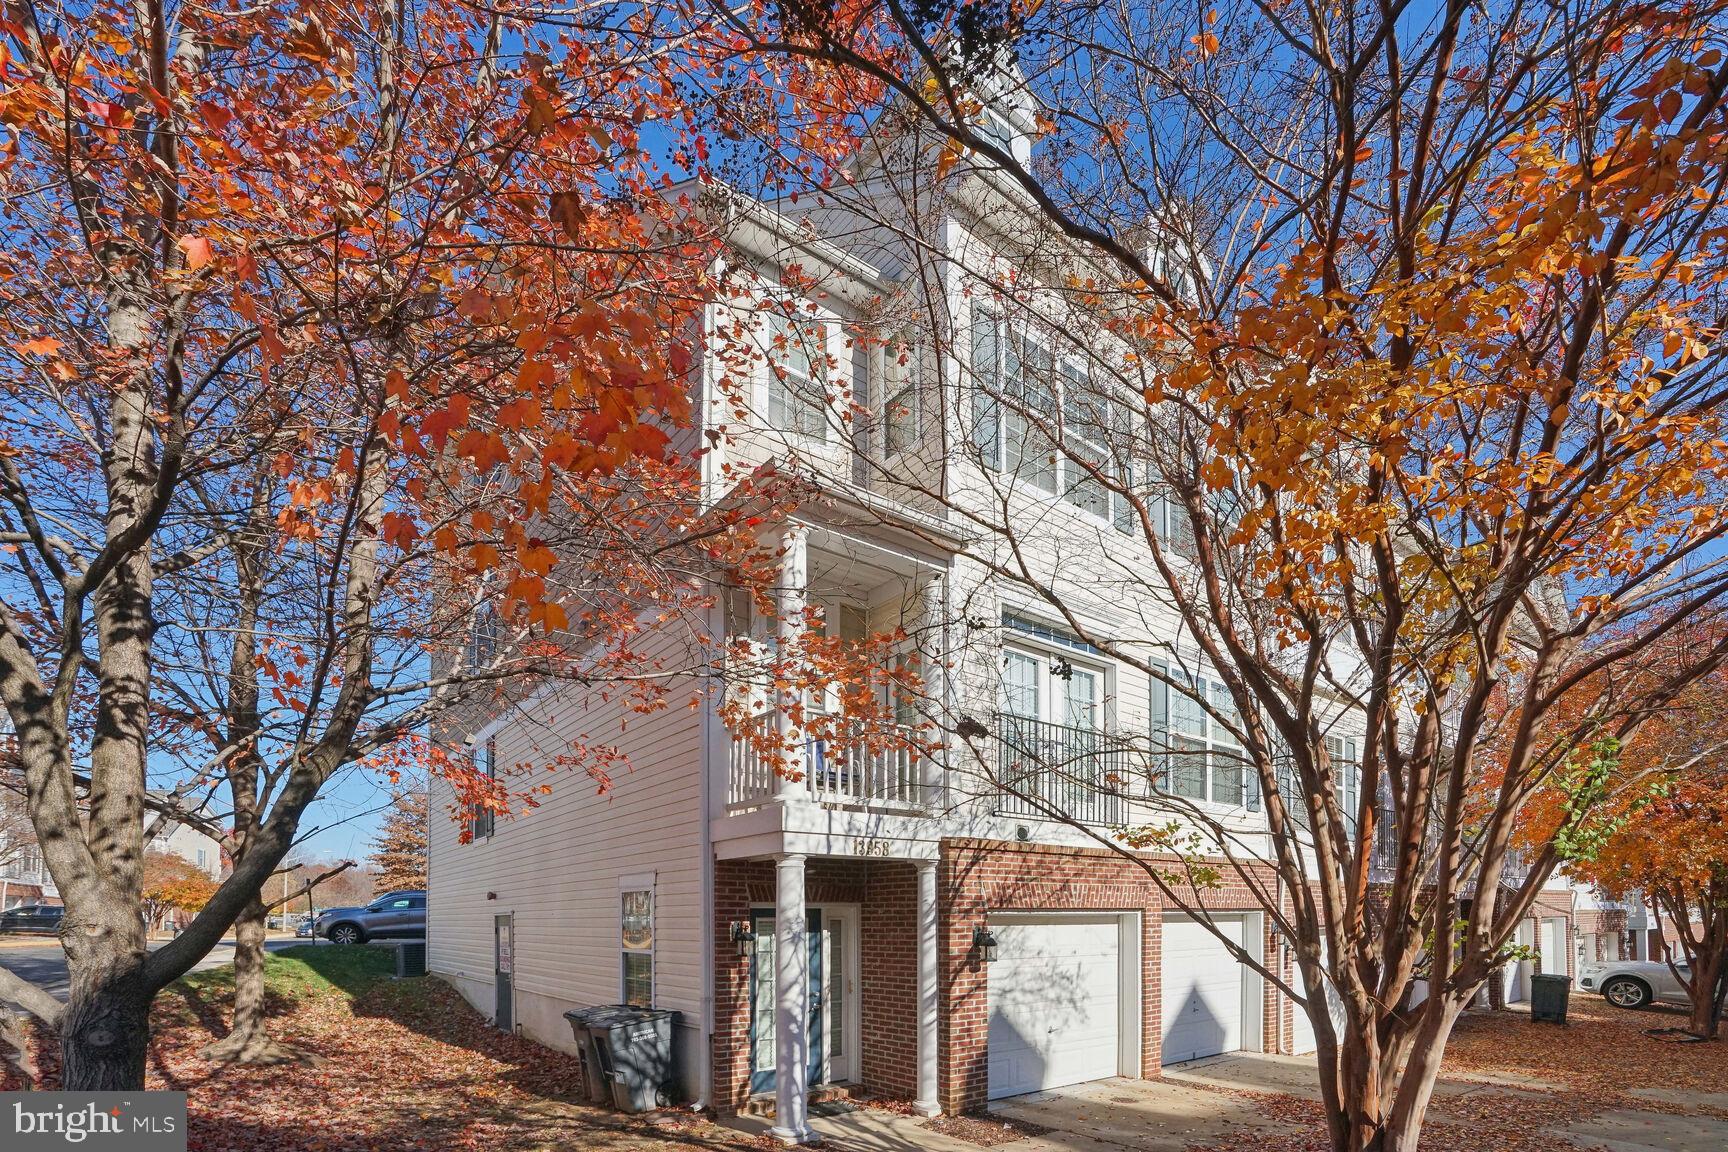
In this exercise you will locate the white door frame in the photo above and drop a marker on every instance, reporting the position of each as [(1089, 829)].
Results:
[(853, 1059), (1130, 1044), (1253, 942), (849, 1067)]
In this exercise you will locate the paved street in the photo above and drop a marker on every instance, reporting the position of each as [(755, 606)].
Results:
[(42, 962)]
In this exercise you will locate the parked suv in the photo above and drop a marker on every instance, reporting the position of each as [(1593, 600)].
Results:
[(1634, 983), (392, 914), (32, 918)]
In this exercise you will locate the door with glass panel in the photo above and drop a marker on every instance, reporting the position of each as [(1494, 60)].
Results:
[(764, 1054), (1053, 713)]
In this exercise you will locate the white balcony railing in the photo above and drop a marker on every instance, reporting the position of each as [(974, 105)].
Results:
[(880, 773)]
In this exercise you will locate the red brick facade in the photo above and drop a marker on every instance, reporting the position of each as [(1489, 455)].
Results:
[(886, 894), (975, 878), (979, 877)]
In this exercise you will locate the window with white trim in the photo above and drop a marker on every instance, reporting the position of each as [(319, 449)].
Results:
[(636, 946), (1043, 421), (1052, 689), (902, 415), (485, 764), (1201, 758), (798, 374)]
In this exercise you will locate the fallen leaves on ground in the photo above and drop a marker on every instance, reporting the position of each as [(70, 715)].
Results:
[(1589, 1066), (400, 1066), (985, 1131)]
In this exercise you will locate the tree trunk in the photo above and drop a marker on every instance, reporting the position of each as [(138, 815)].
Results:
[(1380, 1104), (106, 1029), (1706, 986), (248, 1041)]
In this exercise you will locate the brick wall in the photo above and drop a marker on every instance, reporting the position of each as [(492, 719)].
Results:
[(975, 878), (886, 893), (980, 877)]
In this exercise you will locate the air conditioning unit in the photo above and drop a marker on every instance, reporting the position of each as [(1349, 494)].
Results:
[(410, 959)]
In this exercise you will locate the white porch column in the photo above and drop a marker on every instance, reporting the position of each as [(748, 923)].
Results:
[(790, 601), (791, 1004), (934, 612), (929, 1100)]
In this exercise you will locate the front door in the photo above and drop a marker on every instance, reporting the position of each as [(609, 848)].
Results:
[(503, 969), (840, 1001), (763, 1055)]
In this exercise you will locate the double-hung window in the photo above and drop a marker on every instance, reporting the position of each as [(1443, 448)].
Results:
[(636, 945), (1347, 778), (1194, 724), (902, 419), (486, 766), (1086, 434), (1014, 402), (1043, 420), (798, 374), (1028, 372)]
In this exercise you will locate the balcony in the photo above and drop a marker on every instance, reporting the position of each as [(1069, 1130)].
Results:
[(879, 772), (1081, 773)]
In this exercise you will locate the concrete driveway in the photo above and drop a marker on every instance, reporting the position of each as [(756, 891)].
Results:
[(1184, 1110)]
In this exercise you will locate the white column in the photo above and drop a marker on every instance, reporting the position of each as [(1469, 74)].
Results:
[(791, 1004), (789, 605), (934, 611), (928, 1102)]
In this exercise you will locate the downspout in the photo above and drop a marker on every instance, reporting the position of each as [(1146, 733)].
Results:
[(705, 1058), (716, 616)]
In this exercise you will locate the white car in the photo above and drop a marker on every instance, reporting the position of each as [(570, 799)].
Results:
[(1633, 983)]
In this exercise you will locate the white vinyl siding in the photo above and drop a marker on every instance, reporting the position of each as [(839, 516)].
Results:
[(557, 868)]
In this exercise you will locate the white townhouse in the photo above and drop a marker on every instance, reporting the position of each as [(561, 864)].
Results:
[(886, 920)]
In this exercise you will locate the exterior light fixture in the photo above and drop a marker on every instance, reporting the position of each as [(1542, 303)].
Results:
[(743, 937), (984, 943)]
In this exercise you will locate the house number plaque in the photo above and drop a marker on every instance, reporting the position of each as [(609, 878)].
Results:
[(871, 846)]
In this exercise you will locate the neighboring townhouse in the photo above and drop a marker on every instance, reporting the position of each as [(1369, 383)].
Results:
[(24, 878), (1606, 929), (887, 919), (197, 848)]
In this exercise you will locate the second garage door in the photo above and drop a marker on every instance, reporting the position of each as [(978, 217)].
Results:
[(1055, 1003), (1203, 989)]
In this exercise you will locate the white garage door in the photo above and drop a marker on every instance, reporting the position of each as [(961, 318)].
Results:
[(1302, 1031), (1516, 973), (1054, 1004), (1554, 946), (1202, 989)]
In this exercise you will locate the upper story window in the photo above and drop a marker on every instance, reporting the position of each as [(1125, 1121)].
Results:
[(1192, 718), (482, 818), (1052, 689), (902, 417), (798, 374), (483, 634), (1044, 420)]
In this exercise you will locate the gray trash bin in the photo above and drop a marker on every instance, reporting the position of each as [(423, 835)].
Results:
[(629, 1051), (1548, 995), (593, 1085)]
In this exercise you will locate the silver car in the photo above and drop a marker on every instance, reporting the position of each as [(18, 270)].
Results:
[(1634, 983)]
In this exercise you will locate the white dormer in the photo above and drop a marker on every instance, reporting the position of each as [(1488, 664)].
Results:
[(1009, 115)]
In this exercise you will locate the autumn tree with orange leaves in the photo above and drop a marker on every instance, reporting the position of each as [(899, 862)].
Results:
[(1658, 830), (340, 352), (1378, 353)]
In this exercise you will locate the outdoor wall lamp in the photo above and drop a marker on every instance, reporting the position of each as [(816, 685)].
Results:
[(743, 937), (984, 943)]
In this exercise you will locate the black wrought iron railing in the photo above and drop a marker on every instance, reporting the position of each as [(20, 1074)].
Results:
[(1078, 773)]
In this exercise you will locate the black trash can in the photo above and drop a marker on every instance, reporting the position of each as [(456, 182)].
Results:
[(629, 1054), (1548, 995)]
